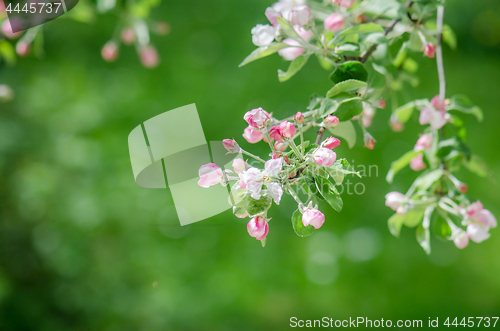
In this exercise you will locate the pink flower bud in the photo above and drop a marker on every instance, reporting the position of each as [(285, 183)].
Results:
[(331, 121), (395, 124), (278, 155), (263, 35), (239, 165), (303, 33), (299, 118), (430, 50), (210, 174), (382, 103), (128, 36), (463, 188), (367, 121), (417, 163), (275, 133), (300, 15), (272, 15), (369, 141), (423, 143), (161, 28), (231, 145), (110, 51), (287, 129), (313, 217), (324, 156), (7, 30), (149, 57), (331, 142), (461, 240), (291, 53), (344, 3), (436, 118), (395, 200), (257, 118), (258, 227), (437, 103), (252, 135), (22, 48), (281, 147), (334, 22)]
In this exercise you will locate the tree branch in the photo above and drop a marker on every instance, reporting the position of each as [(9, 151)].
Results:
[(388, 29), (319, 138)]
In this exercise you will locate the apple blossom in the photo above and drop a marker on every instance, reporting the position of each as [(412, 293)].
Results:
[(436, 118), (258, 227), (331, 142), (417, 163), (149, 57), (275, 133), (291, 53), (438, 103), (423, 143), (344, 3), (313, 217), (287, 129), (254, 179), (263, 35), (303, 33), (331, 121), (128, 36), (430, 50), (257, 118), (281, 146), (478, 214), (478, 232), (395, 124), (22, 48), (324, 156), (239, 165), (110, 51), (231, 145), (395, 200), (252, 135), (210, 175), (272, 15), (300, 15), (299, 118), (334, 22), (369, 141), (461, 239)]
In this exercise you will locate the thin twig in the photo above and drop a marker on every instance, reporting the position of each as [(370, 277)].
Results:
[(388, 29), (319, 138), (439, 53)]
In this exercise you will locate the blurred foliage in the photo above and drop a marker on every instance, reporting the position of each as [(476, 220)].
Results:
[(82, 247)]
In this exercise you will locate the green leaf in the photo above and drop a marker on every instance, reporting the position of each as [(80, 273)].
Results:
[(446, 147), (424, 181), (411, 219), (263, 52), (289, 30), (404, 112), (298, 226), (395, 223), (339, 169), (399, 164), (330, 193), (294, 67), (477, 165), (257, 207), (7, 52), (349, 70), (441, 228), (330, 105), (423, 238), (449, 36), (314, 100), (361, 28), (345, 86), (375, 38), (463, 104), (346, 131), (263, 242), (349, 108)]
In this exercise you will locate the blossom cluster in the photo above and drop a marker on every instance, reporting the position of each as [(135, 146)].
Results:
[(291, 168)]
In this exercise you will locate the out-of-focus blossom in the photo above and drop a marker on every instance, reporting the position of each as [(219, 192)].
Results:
[(369, 141), (417, 163), (263, 35), (23, 48), (436, 118), (334, 22), (300, 15), (331, 121), (461, 239), (344, 3), (239, 165), (291, 53), (430, 50), (395, 124), (423, 143), (438, 103), (128, 36), (149, 57), (110, 51)]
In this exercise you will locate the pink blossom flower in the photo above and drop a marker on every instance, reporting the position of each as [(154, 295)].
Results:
[(149, 57), (210, 174), (231, 145), (369, 141), (291, 53), (331, 121), (367, 121), (423, 143), (331, 142), (463, 188), (382, 103), (7, 30), (436, 118), (299, 118), (110, 51), (300, 15), (128, 36), (334, 22), (287, 129), (272, 15), (395, 200), (313, 217), (263, 35), (257, 118), (324, 156), (254, 179), (417, 163), (438, 103), (22, 48), (252, 135), (258, 227), (303, 33), (395, 124), (478, 232), (281, 147), (239, 165), (478, 214), (344, 3), (275, 134), (461, 239), (430, 50)]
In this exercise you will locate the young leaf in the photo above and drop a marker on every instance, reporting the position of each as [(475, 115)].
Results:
[(404, 112), (399, 164), (441, 228), (298, 226), (263, 52), (294, 67), (361, 28), (346, 86), (7, 52), (339, 169), (463, 104), (345, 130), (395, 223), (349, 108), (256, 207), (329, 193), (477, 165), (427, 179), (411, 219), (423, 238), (349, 70), (289, 30), (314, 101)]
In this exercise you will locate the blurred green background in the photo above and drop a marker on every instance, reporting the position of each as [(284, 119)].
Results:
[(82, 247)]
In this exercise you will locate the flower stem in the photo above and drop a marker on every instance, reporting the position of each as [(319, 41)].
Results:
[(301, 133), (253, 156), (270, 142), (296, 150), (295, 197), (439, 53)]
